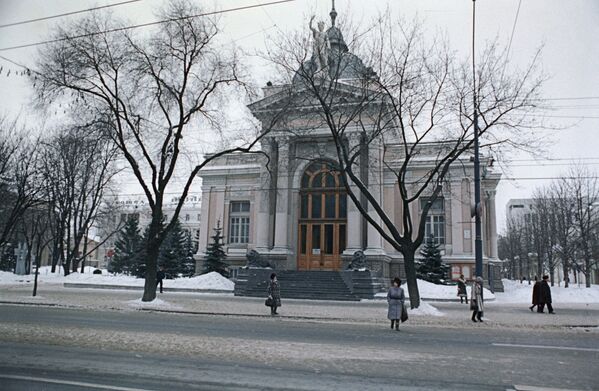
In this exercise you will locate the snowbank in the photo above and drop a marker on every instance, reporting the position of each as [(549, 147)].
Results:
[(515, 292), (425, 309), (430, 291), (206, 281), (154, 304)]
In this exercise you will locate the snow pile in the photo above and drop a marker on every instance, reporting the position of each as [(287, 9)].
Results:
[(431, 291), (211, 280), (154, 304), (425, 309), (515, 292)]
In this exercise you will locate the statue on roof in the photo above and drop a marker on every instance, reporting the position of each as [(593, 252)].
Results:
[(320, 45)]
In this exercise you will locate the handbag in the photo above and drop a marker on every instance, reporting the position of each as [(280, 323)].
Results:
[(404, 313), (269, 301)]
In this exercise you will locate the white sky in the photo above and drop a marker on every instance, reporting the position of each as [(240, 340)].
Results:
[(568, 30)]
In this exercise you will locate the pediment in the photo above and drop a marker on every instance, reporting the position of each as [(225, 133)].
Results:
[(296, 98)]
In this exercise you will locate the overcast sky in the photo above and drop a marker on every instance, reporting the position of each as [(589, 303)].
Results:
[(569, 31)]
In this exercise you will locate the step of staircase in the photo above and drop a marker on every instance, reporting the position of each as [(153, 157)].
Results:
[(311, 285)]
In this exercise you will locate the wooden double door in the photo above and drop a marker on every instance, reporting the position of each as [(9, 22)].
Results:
[(322, 229)]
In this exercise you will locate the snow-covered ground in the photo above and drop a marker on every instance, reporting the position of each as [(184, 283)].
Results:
[(515, 292), (206, 281), (430, 291)]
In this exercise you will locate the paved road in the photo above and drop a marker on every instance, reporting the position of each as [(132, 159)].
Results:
[(72, 349)]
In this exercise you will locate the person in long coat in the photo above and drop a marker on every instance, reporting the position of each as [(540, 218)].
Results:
[(462, 293), (535, 294), (545, 296), (476, 300), (274, 293), (395, 299)]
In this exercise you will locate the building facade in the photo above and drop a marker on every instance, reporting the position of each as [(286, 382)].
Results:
[(289, 205)]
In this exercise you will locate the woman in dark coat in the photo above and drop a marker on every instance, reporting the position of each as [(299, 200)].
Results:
[(274, 294), (476, 300), (545, 296), (462, 293), (535, 294), (395, 299)]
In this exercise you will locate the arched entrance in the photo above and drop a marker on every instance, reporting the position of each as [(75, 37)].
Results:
[(322, 229)]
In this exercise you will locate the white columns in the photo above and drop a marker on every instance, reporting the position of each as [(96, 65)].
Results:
[(354, 217), (492, 222), (261, 226), (375, 186), (282, 196)]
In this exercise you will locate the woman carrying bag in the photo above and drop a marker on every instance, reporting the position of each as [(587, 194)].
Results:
[(395, 299), (274, 294), (476, 300)]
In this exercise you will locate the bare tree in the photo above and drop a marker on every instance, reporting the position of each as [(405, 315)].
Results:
[(150, 92), (413, 98), (515, 246), (583, 187), (564, 229), (19, 180), (79, 167)]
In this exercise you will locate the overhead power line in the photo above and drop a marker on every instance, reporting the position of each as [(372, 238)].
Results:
[(509, 46), (125, 28), (67, 14)]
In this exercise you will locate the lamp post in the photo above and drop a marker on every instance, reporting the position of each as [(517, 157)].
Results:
[(478, 242)]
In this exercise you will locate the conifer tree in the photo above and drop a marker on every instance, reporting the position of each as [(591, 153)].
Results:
[(430, 267), (127, 248), (139, 269), (173, 252), (215, 255), (189, 264)]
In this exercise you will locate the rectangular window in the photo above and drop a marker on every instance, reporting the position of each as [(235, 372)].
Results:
[(316, 206), (186, 217), (239, 222), (435, 220), (435, 227)]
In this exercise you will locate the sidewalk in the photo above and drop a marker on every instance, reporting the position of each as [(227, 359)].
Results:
[(440, 314)]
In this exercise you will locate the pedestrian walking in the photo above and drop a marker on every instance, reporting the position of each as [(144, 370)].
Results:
[(476, 300), (395, 299), (545, 296), (462, 293), (160, 275), (274, 294), (535, 294)]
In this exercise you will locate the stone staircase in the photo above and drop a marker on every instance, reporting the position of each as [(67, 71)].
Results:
[(311, 285)]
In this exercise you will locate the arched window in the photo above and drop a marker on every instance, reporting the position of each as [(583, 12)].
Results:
[(323, 218)]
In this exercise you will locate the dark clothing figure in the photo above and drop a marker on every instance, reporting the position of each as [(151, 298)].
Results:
[(462, 293), (476, 300), (160, 275), (274, 292), (545, 296), (535, 295), (395, 299)]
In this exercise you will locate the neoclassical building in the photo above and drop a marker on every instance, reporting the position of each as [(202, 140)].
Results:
[(288, 204)]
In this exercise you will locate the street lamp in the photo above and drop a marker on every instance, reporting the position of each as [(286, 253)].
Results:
[(478, 242)]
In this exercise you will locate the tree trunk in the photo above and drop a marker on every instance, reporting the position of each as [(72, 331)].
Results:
[(551, 273), (566, 277), (55, 256), (410, 268), (152, 252), (84, 255), (37, 272), (587, 273)]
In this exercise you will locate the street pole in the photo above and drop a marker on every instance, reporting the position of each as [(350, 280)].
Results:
[(478, 242)]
